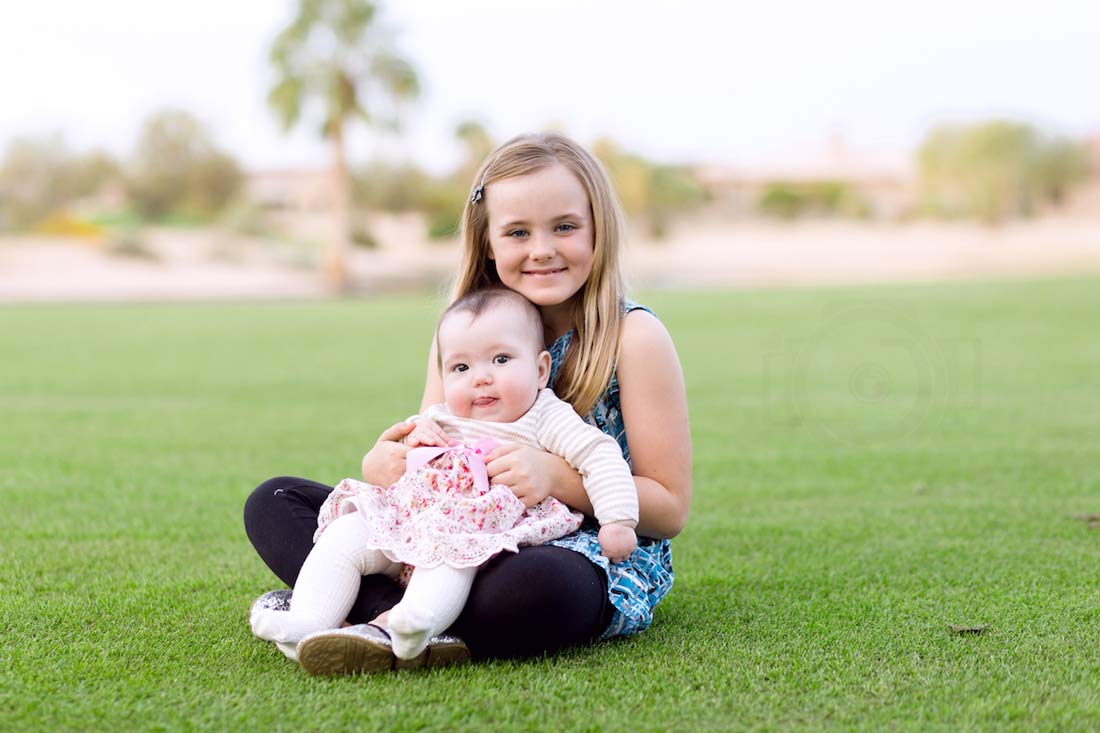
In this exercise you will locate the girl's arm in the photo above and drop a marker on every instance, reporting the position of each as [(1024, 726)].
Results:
[(385, 462), (433, 383), (653, 400), (654, 409)]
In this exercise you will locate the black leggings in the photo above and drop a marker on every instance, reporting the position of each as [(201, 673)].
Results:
[(536, 601)]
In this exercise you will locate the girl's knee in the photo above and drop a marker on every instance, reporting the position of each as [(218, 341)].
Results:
[(541, 581), (263, 495)]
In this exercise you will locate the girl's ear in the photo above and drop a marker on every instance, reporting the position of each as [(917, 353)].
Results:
[(544, 368)]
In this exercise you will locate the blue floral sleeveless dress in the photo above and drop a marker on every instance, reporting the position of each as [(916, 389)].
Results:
[(636, 586)]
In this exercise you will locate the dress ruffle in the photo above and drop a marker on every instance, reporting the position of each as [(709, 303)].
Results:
[(437, 515)]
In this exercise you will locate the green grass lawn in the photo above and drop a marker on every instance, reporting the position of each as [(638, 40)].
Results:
[(871, 465)]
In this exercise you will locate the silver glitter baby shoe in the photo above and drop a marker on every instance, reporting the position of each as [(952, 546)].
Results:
[(275, 600), (367, 648)]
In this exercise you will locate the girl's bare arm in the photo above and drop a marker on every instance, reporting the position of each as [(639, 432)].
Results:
[(653, 400), (433, 382)]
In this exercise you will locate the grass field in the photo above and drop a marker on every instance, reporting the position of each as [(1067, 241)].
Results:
[(871, 465)]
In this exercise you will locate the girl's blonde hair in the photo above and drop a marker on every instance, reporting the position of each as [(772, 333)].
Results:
[(597, 314)]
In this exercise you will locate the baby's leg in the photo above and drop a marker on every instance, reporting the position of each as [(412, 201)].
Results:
[(432, 602), (327, 584)]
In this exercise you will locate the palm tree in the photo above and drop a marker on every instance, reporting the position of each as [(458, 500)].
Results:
[(335, 54)]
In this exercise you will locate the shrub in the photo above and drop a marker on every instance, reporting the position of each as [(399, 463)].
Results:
[(387, 187), (443, 225), (789, 200), (247, 219), (129, 242), (996, 170), (653, 192), (361, 237), (63, 225), (443, 202), (177, 168), (40, 177)]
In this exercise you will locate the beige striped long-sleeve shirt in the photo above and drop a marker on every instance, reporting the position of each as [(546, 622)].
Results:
[(553, 426)]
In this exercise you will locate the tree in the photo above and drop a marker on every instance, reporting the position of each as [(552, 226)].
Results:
[(995, 170), (651, 191), (177, 167), (40, 177), (32, 181), (335, 54)]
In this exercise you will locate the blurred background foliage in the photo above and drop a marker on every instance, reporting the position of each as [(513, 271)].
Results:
[(177, 169), (991, 171), (651, 193), (41, 177), (996, 170), (176, 175), (795, 199), (336, 65)]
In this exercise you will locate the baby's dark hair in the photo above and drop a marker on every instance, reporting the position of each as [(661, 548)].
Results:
[(477, 302)]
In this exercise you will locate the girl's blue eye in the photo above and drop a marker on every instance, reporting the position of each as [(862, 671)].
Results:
[(501, 359), (566, 227), (518, 233)]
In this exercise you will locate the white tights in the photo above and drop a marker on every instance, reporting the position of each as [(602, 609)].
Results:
[(329, 582)]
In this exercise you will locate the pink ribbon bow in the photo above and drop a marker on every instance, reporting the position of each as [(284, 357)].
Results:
[(475, 456)]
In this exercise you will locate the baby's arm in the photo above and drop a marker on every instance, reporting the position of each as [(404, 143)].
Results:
[(606, 475)]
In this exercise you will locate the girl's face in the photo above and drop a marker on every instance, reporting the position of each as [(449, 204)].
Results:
[(541, 235), (492, 366)]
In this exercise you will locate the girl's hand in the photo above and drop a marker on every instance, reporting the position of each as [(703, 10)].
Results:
[(385, 462), (527, 472), (617, 541), (427, 432)]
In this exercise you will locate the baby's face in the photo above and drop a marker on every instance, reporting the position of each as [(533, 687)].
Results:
[(491, 366)]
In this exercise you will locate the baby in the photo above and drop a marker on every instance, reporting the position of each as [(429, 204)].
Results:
[(443, 517)]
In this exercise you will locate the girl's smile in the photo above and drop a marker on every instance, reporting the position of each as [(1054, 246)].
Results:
[(544, 273)]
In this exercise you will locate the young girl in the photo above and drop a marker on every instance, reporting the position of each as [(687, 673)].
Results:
[(442, 516), (541, 220)]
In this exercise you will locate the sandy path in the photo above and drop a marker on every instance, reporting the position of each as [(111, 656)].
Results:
[(205, 265), (829, 252)]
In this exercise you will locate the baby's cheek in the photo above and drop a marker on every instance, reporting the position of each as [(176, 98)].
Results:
[(457, 403)]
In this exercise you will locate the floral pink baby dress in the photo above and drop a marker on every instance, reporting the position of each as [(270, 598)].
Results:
[(443, 511)]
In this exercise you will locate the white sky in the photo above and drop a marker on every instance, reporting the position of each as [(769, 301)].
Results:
[(696, 80)]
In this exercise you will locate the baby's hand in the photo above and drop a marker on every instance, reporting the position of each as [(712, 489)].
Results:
[(617, 541), (427, 432)]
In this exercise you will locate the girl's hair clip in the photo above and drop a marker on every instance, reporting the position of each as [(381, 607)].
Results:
[(480, 192)]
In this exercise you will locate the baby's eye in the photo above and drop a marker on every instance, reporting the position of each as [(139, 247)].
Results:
[(566, 227), (459, 368), (501, 359)]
